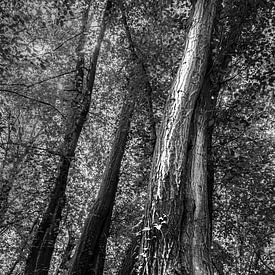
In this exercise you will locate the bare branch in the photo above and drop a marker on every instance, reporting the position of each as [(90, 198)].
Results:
[(70, 38), (50, 78), (33, 147), (32, 99), (38, 82)]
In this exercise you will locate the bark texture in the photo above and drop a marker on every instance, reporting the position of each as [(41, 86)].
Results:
[(176, 236), (39, 258)]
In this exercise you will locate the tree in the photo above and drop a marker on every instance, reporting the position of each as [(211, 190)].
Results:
[(39, 258), (176, 236), (90, 253), (140, 54)]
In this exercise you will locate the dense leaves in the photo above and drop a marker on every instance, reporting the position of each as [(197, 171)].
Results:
[(37, 66)]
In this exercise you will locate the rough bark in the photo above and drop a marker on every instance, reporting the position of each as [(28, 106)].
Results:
[(175, 239), (42, 248), (90, 253)]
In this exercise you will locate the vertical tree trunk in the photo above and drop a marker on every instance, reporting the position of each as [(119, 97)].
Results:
[(42, 248), (175, 239), (90, 253)]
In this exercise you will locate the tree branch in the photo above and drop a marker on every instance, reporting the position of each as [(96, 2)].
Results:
[(70, 38), (50, 78), (32, 99)]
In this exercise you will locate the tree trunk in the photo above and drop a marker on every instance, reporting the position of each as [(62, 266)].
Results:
[(7, 177), (42, 248), (64, 266), (90, 253), (128, 264), (176, 236)]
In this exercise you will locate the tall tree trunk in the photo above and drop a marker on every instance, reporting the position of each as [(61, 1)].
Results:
[(175, 239), (7, 177), (90, 253), (42, 248)]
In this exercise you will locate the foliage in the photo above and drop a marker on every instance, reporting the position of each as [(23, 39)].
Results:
[(37, 60)]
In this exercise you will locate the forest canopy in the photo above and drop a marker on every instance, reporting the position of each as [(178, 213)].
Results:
[(137, 137)]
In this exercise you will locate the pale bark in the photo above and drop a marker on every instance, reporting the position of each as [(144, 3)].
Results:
[(172, 239), (42, 248)]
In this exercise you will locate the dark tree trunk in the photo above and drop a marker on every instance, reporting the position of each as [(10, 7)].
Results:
[(42, 248), (5, 188), (146, 85), (176, 234), (90, 253), (7, 177)]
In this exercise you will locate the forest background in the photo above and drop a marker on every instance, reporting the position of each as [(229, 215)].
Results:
[(82, 95)]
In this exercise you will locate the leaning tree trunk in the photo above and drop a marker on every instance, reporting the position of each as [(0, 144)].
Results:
[(175, 238), (39, 258), (90, 253)]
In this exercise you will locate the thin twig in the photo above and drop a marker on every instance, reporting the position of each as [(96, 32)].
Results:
[(50, 78), (33, 99), (265, 264), (70, 38), (27, 146), (38, 82)]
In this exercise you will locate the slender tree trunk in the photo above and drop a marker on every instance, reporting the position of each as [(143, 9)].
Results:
[(64, 266), (175, 239), (5, 188), (7, 177), (131, 254), (42, 248), (90, 253), (21, 250)]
